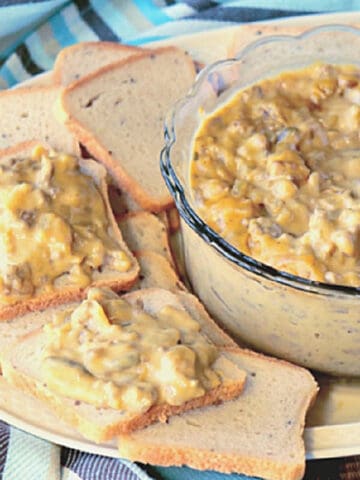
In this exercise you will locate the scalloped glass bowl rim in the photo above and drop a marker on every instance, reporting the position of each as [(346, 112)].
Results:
[(193, 220)]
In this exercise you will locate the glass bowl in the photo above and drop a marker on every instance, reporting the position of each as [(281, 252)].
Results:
[(313, 324)]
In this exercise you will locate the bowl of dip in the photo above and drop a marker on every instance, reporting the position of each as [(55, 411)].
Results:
[(262, 158)]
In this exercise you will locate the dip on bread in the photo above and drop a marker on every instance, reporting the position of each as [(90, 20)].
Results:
[(54, 227), (276, 172), (111, 354)]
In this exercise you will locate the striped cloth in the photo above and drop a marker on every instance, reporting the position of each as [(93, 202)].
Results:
[(31, 35), (48, 26)]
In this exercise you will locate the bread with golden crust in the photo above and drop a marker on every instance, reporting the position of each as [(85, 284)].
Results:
[(107, 277), (28, 113), (156, 272), (21, 366), (106, 112), (145, 231), (258, 434), (78, 60)]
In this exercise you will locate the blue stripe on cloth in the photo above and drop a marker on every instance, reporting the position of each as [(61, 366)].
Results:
[(95, 21), (94, 467), (185, 473), (62, 33), (31, 458), (244, 14), (17, 68), (117, 20), (4, 444), (77, 25), (7, 78), (143, 40), (153, 13), (38, 52)]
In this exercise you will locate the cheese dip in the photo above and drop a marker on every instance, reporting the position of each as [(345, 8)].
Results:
[(54, 227), (109, 353), (276, 172)]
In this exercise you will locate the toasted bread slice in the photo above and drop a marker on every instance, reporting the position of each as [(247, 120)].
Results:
[(21, 366), (121, 201), (106, 276), (27, 114), (78, 60), (258, 434), (145, 231), (106, 111), (173, 220), (156, 272)]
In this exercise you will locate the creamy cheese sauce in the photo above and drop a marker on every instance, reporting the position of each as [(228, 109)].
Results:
[(276, 172), (109, 353), (54, 227)]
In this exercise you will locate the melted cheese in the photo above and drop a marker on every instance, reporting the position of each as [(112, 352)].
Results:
[(53, 227), (276, 171), (111, 354)]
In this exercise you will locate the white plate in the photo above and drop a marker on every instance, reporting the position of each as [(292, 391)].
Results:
[(333, 424)]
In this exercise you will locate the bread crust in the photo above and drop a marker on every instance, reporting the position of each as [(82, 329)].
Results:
[(65, 53), (136, 240), (95, 146), (99, 432), (65, 295), (159, 262), (142, 448), (202, 459), (151, 300)]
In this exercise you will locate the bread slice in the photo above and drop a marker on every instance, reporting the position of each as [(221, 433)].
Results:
[(118, 111), (77, 61), (156, 272), (173, 219), (258, 434), (21, 367), (121, 201), (144, 231), (106, 276), (28, 114)]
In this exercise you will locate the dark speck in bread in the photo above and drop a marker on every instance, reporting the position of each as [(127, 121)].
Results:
[(92, 100)]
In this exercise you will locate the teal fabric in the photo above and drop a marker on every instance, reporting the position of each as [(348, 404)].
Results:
[(30, 458), (176, 473)]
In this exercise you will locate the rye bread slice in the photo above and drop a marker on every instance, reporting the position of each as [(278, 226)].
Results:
[(106, 277), (121, 201), (258, 434), (77, 61), (27, 114), (156, 272), (21, 367), (117, 113), (145, 231)]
